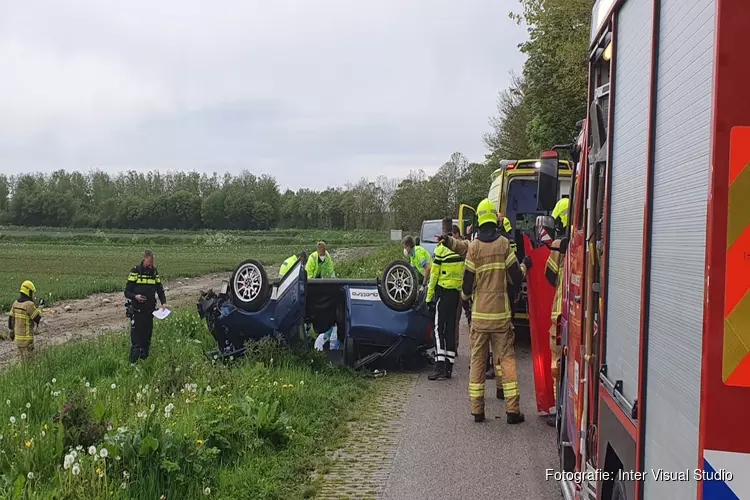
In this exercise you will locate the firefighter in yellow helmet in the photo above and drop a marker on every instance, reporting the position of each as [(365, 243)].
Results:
[(554, 229), (490, 267), (24, 316)]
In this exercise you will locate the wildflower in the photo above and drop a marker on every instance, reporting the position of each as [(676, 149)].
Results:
[(44, 433), (93, 390), (100, 472), (57, 393), (76, 469), (54, 380), (7, 402), (28, 444), (30, 475), (113, 386), (92, 450), (199, 442), (68, 463), (138, 396), (79, 448), (109, 427), (208, 389), (88, 384), (74, 453), (153, 406), (12, 420), (301, 382), (275, 383), (104, 453), (162, 497), (126, 474), (123, 485), (23, 416), (206, 491), (122, 430), (28, 405)]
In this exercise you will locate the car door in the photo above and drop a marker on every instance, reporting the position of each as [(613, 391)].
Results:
[(288, 297), (466, 217)]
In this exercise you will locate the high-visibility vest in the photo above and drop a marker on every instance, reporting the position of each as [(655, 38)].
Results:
[(317, 269), (447, 271), (420, 259), (287, 265)]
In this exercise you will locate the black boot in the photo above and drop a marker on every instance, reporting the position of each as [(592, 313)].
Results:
[(479, 418), (552, 420), (448, 369), (439, 373), (515, 418), (500, 394)]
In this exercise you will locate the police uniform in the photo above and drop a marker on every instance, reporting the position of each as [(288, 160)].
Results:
[(144, 281), (24, 316), (317, 268), (444, 291), (287, 265), (420, 259)]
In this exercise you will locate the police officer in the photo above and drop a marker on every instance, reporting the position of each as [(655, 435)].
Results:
[(24, 316), (320, 264), (289, 263), (419, 258), (444, 297), (143, 285), (490, 267)]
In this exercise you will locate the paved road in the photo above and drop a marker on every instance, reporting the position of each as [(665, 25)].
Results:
[(443, 454)]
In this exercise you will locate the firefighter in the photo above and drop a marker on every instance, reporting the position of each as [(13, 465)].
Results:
[(555, 225), (444, 297), (143, 285), (320, 263), (490, 267), (24, 316), (419, 258)]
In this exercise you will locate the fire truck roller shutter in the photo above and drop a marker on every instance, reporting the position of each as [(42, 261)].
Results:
[(681, 176), (629, 160)]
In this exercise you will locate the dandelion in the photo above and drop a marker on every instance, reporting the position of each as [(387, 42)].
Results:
[(88, 384), (76, 469), (92, 450), (301, 382), (93, 390), (206, 491), (153, 406), (162, 497), (208, 389), (100, 472), (7, 402), (275, 383), (44, 434), (126, 474), (69, 461), (142, 414), (28, 444), (113, 386), (28, 405), (79, 448), (13, 420), (54, 380), (123, 485), (57, 393), (104, 453), (30, 475), (199, 442), (109, 427), (23, 416)]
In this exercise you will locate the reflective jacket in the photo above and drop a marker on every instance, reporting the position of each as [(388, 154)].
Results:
[(490, 267), (287, 265), (144, 281), (553, 272), (419, 260), (25, 315), (317, 269), (447, 271)]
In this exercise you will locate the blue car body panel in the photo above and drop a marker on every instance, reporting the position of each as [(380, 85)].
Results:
[(368, 320)]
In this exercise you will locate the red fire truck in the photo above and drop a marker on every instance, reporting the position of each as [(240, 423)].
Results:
[(655, 392)]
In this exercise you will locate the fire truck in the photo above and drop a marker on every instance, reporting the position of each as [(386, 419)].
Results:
[(654, 395)]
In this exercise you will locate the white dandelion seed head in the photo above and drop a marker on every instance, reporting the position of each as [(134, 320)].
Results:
[(54, 380), (12, 420), (69, 461), (88, 384), (30, 475), (206, 491), (28, 405), (104, 453), (123, 485), (92, 450), (113, 386), (76, 469), (23, 416)]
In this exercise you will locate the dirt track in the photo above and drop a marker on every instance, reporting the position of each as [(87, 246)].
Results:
[(101, 313)]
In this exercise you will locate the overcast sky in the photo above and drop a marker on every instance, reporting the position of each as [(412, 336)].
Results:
[(316, 93)]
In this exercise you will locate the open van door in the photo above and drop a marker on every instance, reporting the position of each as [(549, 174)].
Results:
[(466, 217), (547, 186)]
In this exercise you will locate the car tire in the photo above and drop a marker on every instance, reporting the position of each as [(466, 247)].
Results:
[(350, 351), (398, 287), (249, 286)]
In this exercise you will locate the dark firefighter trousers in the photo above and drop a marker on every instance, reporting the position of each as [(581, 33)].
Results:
[(141, 328), (446, 324)]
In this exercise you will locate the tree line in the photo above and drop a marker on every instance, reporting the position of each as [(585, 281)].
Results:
[(540, 108)]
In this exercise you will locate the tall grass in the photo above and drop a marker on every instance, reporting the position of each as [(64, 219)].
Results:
[(80, 422)]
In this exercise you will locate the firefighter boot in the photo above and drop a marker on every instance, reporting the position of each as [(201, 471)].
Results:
[(515, 418), (479, 417), (448, 369), (499, 393), (440, 372)]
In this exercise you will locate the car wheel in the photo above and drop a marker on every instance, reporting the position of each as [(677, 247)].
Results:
[(398, 287), (250, 286), (350, 351)]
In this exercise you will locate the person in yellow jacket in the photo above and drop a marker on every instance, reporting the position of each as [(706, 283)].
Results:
[(419, 258), (490, 267), (289, 263), (444, 302), (320, 263), (24, 316)]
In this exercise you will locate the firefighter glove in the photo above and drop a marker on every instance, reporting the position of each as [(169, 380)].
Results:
[(527, 262), (563, 244)]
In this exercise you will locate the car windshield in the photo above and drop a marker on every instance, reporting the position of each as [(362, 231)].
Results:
[(430, 230)]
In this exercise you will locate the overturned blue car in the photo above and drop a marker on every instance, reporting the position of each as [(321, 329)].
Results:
[(379, 320)]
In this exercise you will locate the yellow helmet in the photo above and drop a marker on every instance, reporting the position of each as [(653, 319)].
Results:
[(486, 212), (506, 225), (28, 288), (561, 211)]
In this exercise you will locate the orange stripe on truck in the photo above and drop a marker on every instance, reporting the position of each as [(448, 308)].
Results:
[(736, 353)]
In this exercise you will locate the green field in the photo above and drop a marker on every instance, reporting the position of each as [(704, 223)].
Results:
[(67, 267), (177, 425)]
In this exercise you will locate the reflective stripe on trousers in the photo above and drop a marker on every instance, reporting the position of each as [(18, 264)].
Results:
[(503, 350)]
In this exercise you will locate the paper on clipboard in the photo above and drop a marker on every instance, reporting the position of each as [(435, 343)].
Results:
[(161, 313)]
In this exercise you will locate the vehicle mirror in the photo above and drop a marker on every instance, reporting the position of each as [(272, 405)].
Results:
[(416, 241), (546, 195)]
